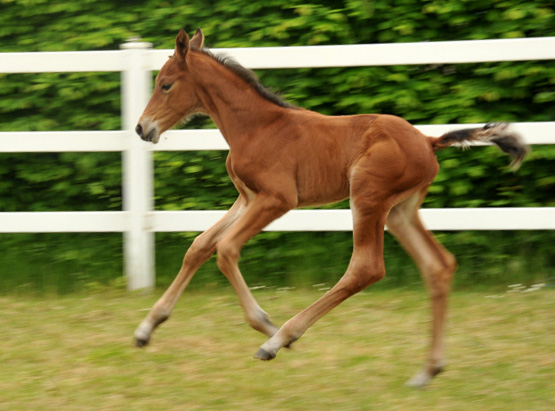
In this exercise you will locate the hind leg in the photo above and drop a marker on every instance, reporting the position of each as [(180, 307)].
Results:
[(436, 266)]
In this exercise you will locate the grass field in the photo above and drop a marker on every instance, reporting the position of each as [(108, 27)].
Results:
[(76, 353)]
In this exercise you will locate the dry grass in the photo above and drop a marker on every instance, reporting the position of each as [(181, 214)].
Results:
[(75, 353)]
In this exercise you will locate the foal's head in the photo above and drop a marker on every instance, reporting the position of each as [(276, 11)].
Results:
[(174, 97)]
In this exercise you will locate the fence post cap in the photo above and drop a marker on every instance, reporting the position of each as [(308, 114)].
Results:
[(135, 43)]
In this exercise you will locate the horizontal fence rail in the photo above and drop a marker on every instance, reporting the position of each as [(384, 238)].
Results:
[(138, 221), (195, 140), (439, 52), (447, 219)]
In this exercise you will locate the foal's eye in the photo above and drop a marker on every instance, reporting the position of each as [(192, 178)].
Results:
[(166, 87)]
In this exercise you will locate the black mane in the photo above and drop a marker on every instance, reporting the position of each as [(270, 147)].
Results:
[(249, 77)]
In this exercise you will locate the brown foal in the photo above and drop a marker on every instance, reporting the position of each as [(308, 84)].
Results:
[(282, 157)]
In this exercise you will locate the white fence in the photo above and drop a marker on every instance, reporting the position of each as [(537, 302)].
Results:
[(138, 221)]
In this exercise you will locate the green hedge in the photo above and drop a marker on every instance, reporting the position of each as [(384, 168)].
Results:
[(426, 94)]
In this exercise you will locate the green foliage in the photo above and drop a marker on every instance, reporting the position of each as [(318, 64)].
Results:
[(60, 182), (427, 94), (59, 263)]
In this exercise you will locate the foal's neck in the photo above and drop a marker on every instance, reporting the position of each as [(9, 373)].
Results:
[(235, 106)]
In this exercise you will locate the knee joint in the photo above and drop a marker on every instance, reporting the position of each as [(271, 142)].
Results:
[(440, 276), (198, 251), (227, 254)]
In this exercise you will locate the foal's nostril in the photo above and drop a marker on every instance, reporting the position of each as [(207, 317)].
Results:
[(139, 130)]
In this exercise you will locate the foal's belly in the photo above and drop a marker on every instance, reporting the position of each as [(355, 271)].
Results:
[(319, 189)]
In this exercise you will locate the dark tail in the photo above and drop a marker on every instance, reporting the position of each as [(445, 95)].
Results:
[(496, 133)]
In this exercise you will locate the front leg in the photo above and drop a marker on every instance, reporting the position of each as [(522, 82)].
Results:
[(261, 211), (202, 248)]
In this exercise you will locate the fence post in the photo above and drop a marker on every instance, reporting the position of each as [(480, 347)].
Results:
[(138, 191)]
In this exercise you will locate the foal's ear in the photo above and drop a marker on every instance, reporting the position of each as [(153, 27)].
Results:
[(181, 46), (197, 41)]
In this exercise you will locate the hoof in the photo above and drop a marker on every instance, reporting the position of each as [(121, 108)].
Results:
[(419, 381), (423, 378), (140, 343), (438, 370), (264, 355)]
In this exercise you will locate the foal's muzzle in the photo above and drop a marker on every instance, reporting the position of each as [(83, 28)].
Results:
[(151, 135), (139, 131)]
